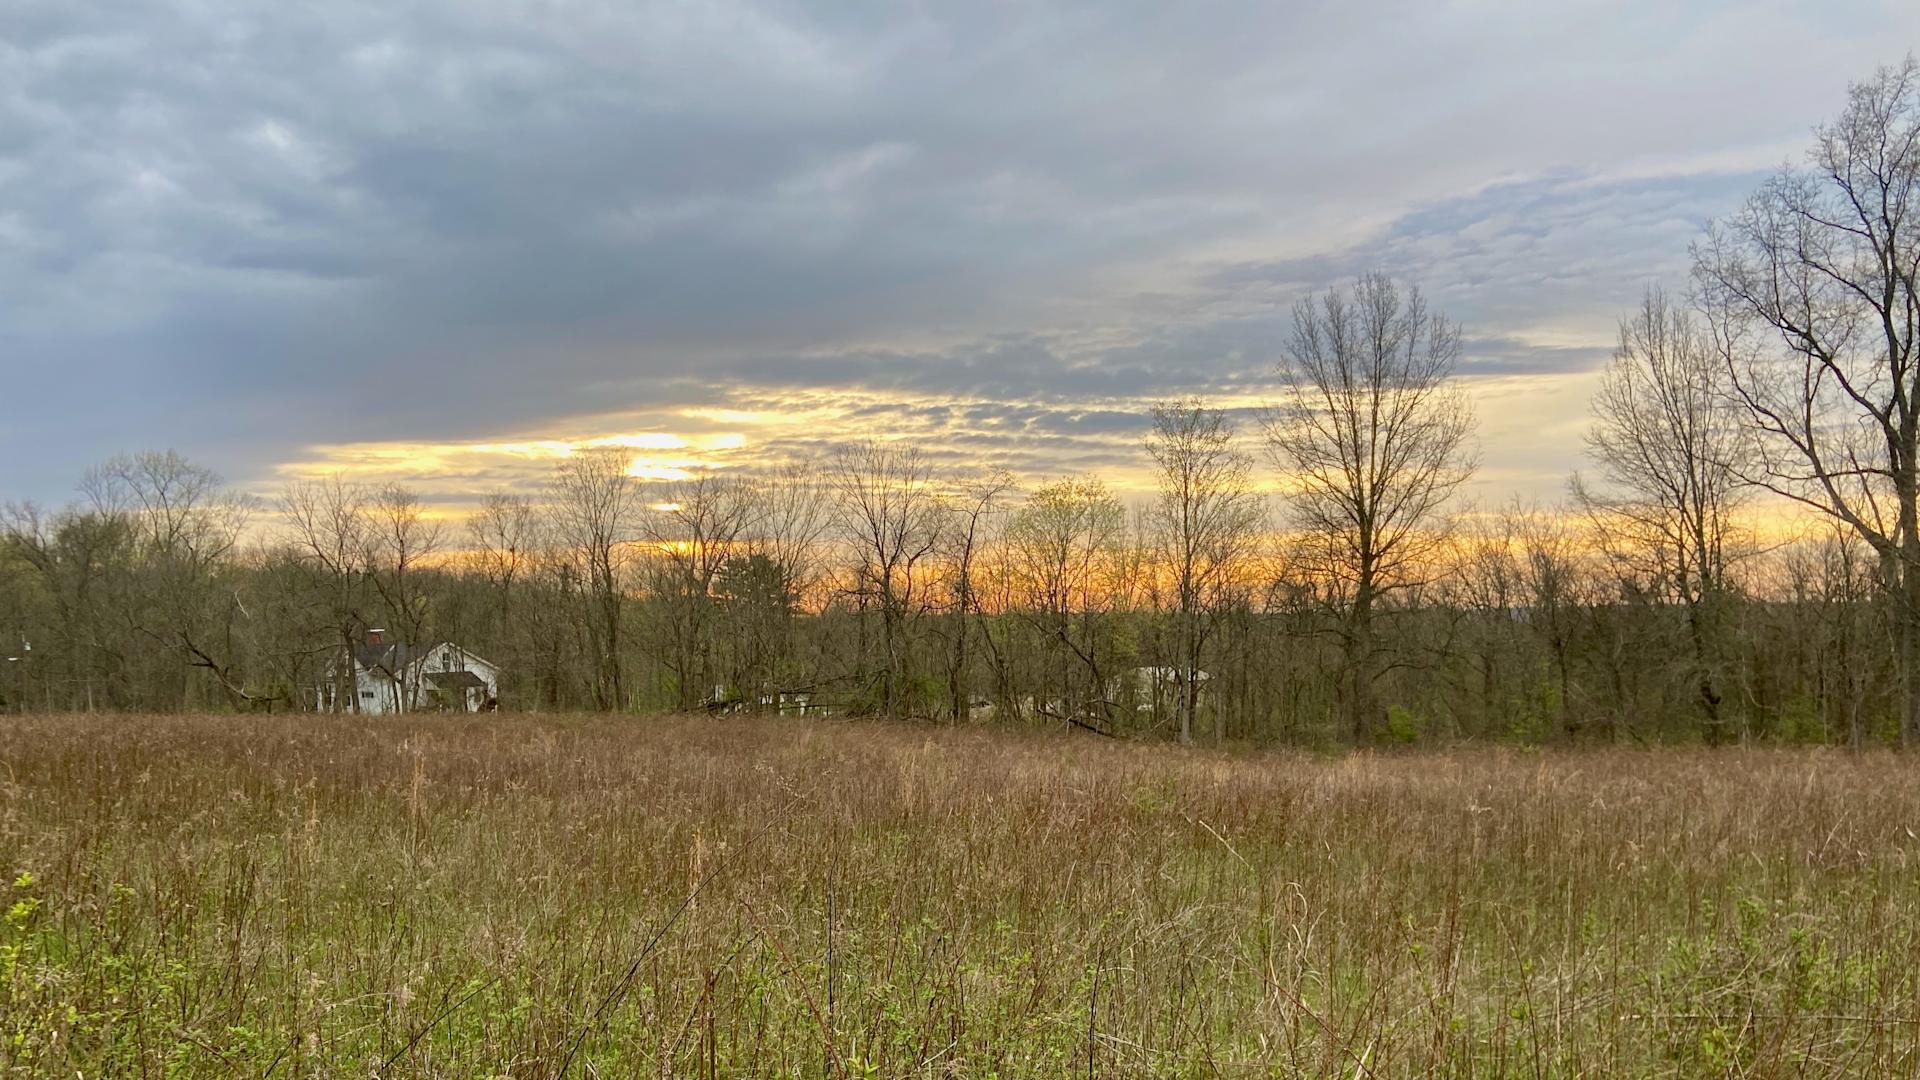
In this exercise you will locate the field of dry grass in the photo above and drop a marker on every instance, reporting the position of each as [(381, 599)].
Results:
[(649, 897)]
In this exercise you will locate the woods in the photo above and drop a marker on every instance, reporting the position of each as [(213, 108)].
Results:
[(876, 586)]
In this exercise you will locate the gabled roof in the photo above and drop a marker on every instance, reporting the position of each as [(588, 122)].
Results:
[(389, 657), (399, 655)]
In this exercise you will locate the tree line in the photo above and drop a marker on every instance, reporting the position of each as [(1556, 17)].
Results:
[(1355, 602)]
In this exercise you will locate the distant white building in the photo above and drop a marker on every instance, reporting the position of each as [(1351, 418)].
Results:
[(396, 677), (1156, 688)]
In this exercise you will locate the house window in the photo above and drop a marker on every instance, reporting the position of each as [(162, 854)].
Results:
[(366, 695)]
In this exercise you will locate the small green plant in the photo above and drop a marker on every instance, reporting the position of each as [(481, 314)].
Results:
[(1405, 726)]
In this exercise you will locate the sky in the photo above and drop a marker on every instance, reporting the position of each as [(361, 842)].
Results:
[(443, 243)]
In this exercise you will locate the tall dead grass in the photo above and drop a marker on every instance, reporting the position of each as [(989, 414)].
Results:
[(689, 897)]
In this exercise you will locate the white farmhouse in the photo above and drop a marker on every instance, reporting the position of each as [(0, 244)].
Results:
[(394, 677), (1155, 688)]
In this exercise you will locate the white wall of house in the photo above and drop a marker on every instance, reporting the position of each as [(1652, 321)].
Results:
[(380, 692), (447, 656)]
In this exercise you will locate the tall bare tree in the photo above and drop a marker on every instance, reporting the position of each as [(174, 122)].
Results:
[(1813, 294), (1670, 444), (401, 538), (795, 515), (505, 539), (1066, 545), (1373, 437), (185, 524), (971, 510), (889, 513), (509, 543), (1554, 560), (694, 528), (78, 555), (326, 520), (1206, 521), (776, 575), (596, 510)]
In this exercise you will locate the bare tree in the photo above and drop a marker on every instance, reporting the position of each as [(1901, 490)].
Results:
[(1373, 436), (889, 513), (1486, 583), (970, 512), (1671, 444), (692, 531), (1554, 568), (78, 555), (1206, 521), (1067, 545), (400, 538), (180, 508), (1813, 294), (596, 509), (185, 524), (1829, 583), (774, 574), (505, 539), (327, 523), (795, 514), (509, 544)]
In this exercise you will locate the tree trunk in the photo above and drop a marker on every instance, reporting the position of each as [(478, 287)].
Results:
[(957, 678), (1189, 663), (1699, 615), (1909, 615), (1359, 667), (346, 679)]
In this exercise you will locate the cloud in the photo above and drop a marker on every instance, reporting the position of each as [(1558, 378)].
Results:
[(256, 231)]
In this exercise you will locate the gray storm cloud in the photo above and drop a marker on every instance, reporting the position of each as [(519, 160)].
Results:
[(243, 229)]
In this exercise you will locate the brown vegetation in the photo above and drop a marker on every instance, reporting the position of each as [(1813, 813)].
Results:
[(458, 896)]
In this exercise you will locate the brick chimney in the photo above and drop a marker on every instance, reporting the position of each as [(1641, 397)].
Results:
[(376, 635)]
